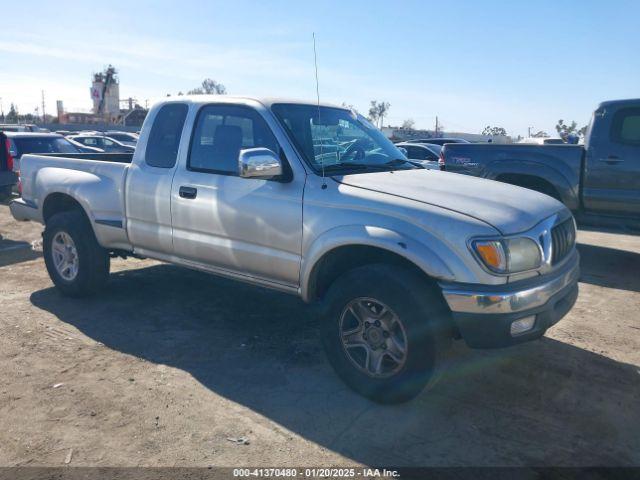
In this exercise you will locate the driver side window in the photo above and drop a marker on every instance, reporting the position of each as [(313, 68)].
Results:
[(221, 132)]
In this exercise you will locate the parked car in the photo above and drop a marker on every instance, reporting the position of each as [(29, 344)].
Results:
[(426, 154), (84, 148), (126, 138), (15, 127), (8, 177), (599, 181), (400, 260), (21, 143), (439, 141), (542, 141), (104, 143)]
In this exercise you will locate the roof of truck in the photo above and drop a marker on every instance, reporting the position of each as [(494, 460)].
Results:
[(266, 101), (627, 101)]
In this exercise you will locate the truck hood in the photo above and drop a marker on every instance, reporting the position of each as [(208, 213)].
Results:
[(507, 208)]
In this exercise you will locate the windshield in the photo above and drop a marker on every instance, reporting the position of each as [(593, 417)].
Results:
[(338, 140), (24, 145)]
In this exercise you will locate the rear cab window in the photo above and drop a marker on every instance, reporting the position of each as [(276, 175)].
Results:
[(164, 139), (625, 127)]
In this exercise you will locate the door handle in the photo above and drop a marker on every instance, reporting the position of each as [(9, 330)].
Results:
[(188, 192), (612, 160)]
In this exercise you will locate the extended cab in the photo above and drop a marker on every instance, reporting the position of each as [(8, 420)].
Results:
[(599, 181), (313, 200)]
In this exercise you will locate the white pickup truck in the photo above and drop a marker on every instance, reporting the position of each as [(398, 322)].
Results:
[(315, 201)]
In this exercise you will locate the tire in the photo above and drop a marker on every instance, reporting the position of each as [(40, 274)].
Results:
[(92, 266), (423, 325)]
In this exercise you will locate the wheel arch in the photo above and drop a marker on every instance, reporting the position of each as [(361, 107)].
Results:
[(529, 174), (532, 182), (56, 202), (345, 248)]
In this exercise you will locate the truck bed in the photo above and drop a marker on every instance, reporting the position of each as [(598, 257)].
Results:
[(99, 157), (95, 180)]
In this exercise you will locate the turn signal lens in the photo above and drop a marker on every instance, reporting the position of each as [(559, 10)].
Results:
[(509, 255), (492, 254)]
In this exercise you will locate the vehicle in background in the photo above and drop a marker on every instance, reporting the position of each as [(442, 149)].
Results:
[(126, 138), (64, 133), (21, 143), (14, 127), (426, 154), (84, 148), (16, 144), (542, 141), (400, 260), (106, 144), (8, 178), (599, 181), (438, 141), (88, 132)]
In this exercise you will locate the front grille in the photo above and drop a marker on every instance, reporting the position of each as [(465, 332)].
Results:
[(563, 238)]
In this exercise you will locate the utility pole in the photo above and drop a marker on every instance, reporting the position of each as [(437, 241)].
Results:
[(436, 125), (43, 117), (529, 130), (1, 110)]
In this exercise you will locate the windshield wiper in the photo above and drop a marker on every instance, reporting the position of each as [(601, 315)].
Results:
[(402, 161), (370, 166), (345, 166)]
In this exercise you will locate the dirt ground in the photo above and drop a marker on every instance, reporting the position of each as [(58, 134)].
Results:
[(167, 365)]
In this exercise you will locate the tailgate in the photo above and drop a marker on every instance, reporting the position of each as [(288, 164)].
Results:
[(460, 158)]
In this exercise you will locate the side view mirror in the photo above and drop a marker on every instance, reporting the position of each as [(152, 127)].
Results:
[(404, 151), (259, 163)]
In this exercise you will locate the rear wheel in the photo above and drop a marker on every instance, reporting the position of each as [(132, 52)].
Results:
[(76, 263), (384, 331)]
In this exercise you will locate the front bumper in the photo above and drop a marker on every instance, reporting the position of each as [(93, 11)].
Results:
[(483, 315)]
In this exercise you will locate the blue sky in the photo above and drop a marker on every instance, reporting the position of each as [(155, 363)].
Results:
[(505, 63)]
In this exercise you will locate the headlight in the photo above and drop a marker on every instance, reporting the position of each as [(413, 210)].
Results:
[(510, 255)]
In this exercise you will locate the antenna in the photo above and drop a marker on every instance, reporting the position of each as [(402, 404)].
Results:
[(315, 61)]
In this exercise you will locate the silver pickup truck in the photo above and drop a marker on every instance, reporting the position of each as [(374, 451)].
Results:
[(315, 201)]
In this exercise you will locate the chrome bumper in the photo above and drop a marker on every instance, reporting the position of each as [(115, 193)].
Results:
[(532, 294)]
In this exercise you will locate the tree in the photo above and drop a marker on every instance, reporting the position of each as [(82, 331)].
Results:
[(209, 87), (408, 124), (540, 134), (564, 130), (12, 116), (378, 111), (494, 131)]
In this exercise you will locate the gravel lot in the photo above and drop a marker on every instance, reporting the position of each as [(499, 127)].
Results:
[(168, 365)]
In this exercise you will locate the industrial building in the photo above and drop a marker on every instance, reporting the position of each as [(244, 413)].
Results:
[(105, 110)]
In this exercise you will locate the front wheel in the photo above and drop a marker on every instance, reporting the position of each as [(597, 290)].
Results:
[(76, 263), (385, 332)]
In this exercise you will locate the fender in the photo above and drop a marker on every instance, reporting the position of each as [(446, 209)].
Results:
[(350, 235), (95, 194), (563, 179)]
